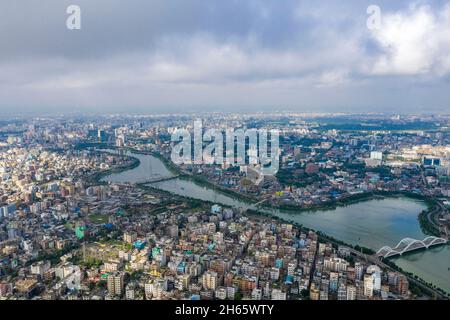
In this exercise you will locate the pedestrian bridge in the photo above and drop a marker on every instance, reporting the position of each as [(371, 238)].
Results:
[(408, 244)]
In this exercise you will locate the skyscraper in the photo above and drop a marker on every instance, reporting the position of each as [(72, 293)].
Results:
[(115, 283)]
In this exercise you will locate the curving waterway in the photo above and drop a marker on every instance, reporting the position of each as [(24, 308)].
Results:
[(372, 223)]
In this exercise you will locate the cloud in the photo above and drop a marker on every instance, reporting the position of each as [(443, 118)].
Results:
[(334, 78), (226, 54), (416, 42)]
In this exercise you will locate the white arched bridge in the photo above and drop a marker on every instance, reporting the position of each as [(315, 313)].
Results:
[(408, 244)]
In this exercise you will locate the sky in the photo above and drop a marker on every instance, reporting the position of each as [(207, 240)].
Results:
[(153, 56)]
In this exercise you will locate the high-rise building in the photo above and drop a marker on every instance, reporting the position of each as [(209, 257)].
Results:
[(368, 285), (6, 289), (129, 292), (277, 294), (210, 280), (221, 293), (376, 155), (115, 283), (314, 293), (402, 285), (376, 275), (342, 293), (323, 295), (101, 135), (334, 277), (359, 271), (351, 293), (129, 237), (256, 294), (335, 264)]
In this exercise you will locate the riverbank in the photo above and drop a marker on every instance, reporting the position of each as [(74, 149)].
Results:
[(96, 178), (418, 284), (168, 164), (196, 201), (425, 225), (148, 188), (202, 181)]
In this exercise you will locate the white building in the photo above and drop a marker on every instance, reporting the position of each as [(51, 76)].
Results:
[(221, 293), (277, 294), (368, 285), (256, 294), (351, 293)]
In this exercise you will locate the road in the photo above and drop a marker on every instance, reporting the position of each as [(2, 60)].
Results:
[(382, 265), (436, 213)]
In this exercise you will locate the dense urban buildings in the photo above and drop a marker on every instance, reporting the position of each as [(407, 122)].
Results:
[(67, 231)]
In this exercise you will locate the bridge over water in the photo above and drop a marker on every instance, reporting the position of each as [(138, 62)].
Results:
[(161, 179), (258, 204), (409, 244)]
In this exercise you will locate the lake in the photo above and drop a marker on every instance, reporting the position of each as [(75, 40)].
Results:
[(372, 223)]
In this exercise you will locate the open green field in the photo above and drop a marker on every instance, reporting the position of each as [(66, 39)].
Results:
[(98, 218)]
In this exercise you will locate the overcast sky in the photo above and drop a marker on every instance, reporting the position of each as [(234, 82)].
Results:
[(227, 55)]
